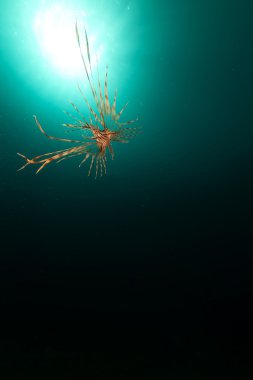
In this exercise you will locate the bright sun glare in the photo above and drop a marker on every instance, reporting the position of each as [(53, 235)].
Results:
[(55, 31)]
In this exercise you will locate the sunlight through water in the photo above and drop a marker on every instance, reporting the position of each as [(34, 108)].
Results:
[(55, 32)]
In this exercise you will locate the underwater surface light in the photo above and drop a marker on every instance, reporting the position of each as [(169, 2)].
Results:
[(55, 31)]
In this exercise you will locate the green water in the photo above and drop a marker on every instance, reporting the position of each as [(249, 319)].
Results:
[(184, 68), (176, 199)]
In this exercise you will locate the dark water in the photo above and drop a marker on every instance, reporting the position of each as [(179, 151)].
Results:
[(146, 272)]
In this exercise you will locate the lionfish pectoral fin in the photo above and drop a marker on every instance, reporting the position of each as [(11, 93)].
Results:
[(26, 159), (52, 137), (111, 150), (85, 158), (42, 166)]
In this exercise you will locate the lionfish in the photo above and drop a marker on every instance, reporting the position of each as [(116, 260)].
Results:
[(102, 128)]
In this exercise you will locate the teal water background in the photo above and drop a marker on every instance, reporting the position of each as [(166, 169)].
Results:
[(185, 69), (161, 225)]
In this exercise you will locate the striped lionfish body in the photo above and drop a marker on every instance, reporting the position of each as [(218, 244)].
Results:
[(103, 127)]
